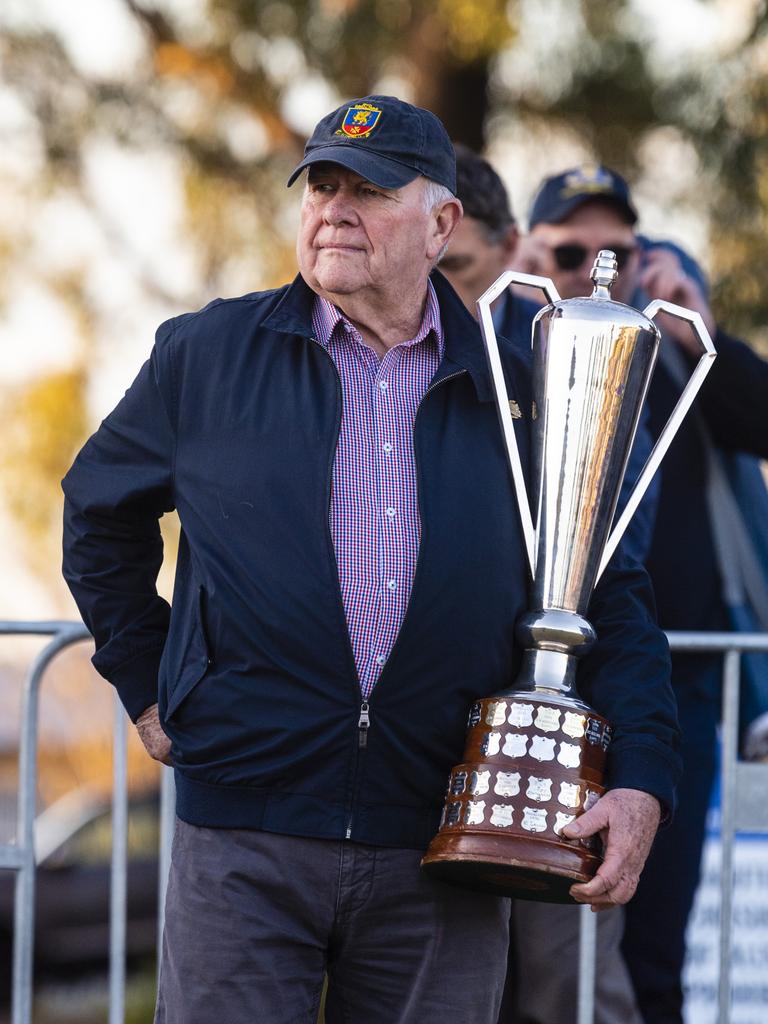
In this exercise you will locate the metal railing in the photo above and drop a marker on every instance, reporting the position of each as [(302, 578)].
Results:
[(743, 804), (20, 855), (743, 808)]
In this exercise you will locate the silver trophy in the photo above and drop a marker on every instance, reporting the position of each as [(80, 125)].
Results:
[(535, 754)]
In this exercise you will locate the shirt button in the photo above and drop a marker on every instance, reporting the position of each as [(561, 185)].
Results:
[(380, 659), (391, 512), (391, 584), (383, 385), (387, 447)]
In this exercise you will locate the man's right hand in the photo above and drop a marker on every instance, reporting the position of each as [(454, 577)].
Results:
[(152, 736)]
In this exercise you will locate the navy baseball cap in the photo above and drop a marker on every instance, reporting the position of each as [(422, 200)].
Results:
[(384, 140), (560, 195)]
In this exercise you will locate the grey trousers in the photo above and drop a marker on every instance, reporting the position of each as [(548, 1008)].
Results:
[(545, 939), (254, 921)]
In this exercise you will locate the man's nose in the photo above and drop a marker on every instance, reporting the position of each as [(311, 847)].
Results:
[(340, 209)]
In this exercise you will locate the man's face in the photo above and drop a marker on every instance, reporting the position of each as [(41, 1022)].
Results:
[(473, 262), (566, 251), (356, 238)]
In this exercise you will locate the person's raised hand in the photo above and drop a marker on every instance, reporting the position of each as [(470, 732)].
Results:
[(662, 277), (627, 820)]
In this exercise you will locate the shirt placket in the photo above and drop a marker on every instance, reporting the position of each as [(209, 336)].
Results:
[(388, 449), (374, 513)]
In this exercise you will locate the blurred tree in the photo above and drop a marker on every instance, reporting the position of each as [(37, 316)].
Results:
[(44, 421), (222, 87), (606, 84), (213, 92)]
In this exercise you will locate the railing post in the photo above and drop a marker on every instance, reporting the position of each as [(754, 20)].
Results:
[(119, 867), (730, 753), (167, 822), (64, 634), (587, 965)]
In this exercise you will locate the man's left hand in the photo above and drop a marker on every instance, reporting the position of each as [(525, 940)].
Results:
[(627, 820)]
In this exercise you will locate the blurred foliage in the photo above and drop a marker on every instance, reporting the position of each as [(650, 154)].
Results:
[(44, 423), (215, 90), (613, 93)]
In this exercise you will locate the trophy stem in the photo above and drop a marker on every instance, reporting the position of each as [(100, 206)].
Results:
[(553, 640), (549, 673)]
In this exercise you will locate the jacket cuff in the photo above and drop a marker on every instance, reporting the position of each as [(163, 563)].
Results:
[(643, 767), (136, 681)]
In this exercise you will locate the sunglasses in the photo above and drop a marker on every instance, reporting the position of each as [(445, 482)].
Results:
[(571, 257)]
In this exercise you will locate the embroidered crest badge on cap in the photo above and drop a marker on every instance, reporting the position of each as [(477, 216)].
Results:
[(359, 120)]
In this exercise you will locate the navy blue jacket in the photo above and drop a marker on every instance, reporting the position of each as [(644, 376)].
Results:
[(234, 421)]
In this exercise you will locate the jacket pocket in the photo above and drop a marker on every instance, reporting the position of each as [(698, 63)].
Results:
[(194, 662)]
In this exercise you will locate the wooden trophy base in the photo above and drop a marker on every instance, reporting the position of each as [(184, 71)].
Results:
[(531, 765)]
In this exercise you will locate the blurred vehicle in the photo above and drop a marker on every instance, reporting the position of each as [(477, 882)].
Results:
[(73, 844)]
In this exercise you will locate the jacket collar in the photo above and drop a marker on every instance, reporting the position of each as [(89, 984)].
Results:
[(464, 348)]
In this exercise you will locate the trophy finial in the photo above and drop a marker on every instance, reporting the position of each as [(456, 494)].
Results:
[(604, 273)]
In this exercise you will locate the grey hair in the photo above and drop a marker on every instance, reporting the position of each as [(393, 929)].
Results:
[(434, 194)]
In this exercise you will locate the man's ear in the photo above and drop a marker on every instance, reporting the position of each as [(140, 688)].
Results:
[(509, 243), (446, 219)]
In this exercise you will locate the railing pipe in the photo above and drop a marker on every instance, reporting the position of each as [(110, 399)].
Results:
[(119, 866), (64, 634)]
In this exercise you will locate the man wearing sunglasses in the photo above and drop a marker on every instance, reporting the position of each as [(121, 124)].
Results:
[(579, 212)]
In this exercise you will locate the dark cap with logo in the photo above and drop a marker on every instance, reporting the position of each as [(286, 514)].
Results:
[(384, 140), (560, 195)]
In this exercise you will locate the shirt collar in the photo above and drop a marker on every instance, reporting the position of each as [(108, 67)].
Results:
[(326, 318), (292, 314)]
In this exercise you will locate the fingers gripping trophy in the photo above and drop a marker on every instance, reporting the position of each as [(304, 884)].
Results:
[(535, 755)]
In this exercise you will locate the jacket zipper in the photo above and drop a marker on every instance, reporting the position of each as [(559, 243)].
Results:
[(364, 719), (363, 725)]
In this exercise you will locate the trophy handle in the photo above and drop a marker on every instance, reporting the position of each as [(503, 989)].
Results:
[(488, 331), (672, 426)]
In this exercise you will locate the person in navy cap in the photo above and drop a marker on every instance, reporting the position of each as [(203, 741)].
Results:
[(349, 571)]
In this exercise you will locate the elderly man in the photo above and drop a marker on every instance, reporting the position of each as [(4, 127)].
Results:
[(348, 575)]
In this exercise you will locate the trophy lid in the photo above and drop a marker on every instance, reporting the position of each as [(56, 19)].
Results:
[(599, 305)]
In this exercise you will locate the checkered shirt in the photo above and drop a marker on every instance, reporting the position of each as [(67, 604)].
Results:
[(374, 515)]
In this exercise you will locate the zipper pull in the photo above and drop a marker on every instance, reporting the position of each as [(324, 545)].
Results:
[(363, 725)]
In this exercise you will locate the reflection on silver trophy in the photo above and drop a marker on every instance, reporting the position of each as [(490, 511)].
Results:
[(535, 754)]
